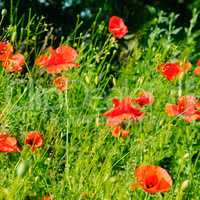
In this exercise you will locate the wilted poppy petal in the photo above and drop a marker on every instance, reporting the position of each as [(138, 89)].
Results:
[(61, 83), (171, 110), (125, 133), (117, 27), (145, 98), (116, 131), (14, 63), (8, 143)]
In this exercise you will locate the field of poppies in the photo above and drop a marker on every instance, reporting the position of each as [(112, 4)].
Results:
[(106, 114)]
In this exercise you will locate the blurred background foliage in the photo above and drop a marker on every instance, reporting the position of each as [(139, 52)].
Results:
[(62, 14)]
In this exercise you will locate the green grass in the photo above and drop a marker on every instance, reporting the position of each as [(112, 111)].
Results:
[(80, 160)]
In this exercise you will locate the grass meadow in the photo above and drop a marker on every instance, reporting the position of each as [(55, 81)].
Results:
[(80, 159)]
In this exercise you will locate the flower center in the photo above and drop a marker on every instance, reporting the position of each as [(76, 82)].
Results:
[(151, 181)]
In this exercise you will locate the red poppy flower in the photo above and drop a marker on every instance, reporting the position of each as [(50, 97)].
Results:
[(152, 179), (145, 98), (122, 110), (61, 83), (170, 70), (14, 63), (187, 106), (116, 131), (198, 63), (8, 143), (6, 50), (46, 198), (34, 140), (197, 71), (60, 59), (117, 27)]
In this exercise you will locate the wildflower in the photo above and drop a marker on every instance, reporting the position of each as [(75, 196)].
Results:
[(187, 106), (8, 143), (61, 83), (117, 27), (197, 71), (121, 112), (145, 98), (152, 179), (58, 60), (170, 70), (6, 50), (46, 198), (14, 63), (34, 140), (198, 63)]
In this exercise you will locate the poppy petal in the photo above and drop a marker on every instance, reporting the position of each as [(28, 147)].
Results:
[(116, 131), (171, 110), (34, 140), (8, 143), (117, 27), (6, 51), (14, 63)]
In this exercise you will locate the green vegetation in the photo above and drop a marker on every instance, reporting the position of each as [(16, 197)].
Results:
[(80, 160)]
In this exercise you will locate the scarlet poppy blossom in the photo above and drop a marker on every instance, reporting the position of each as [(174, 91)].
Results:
[(14, 63), (152, 179), (58, 60), (6, 51), (34, 140), (170, 70), (118, 130), (117, 27), (187, 106), (61, 83), (145, 98), (8, 143), (198, 63), (122, 110), (46, 198), (197, 71)]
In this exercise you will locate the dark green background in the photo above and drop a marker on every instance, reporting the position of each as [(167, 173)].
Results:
[(63, 13)]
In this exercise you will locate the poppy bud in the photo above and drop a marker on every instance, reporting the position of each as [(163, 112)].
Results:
[(184, 185), (87, 79), (114, 81), (186, 156), (3, 12), (22, 167)]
